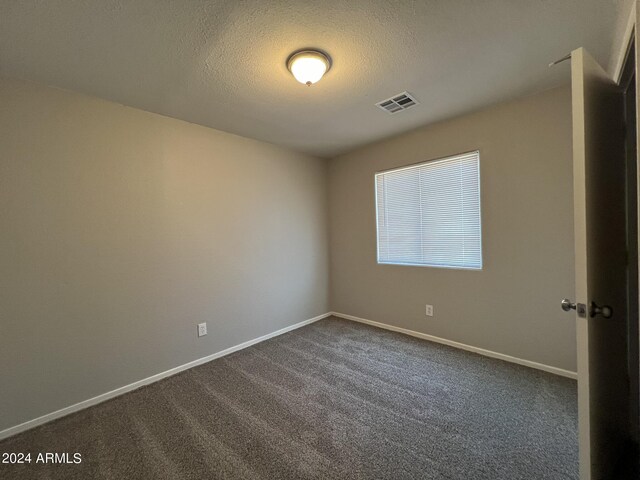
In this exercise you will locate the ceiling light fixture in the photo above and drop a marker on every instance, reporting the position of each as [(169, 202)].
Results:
[(308, 66)]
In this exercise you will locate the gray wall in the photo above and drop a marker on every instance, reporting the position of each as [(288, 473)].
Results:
[(512, 306), (120, 230)]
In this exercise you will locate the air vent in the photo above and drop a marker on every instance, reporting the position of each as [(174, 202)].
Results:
[(397, 103)]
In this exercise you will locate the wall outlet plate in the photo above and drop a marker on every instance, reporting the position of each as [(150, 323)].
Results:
[(429, 311), (202, 329)]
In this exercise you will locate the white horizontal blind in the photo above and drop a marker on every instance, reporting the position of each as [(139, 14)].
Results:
[(429, 214)]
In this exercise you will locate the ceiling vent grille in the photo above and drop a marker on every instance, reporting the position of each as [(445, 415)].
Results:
[(397, 103)]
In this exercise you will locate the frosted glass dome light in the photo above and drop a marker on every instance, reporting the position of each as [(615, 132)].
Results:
[(308, 66)]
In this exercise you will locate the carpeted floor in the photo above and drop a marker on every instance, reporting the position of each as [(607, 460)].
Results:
[(335, 399)]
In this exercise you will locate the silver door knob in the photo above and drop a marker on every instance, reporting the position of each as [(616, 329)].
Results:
[(567, 305)]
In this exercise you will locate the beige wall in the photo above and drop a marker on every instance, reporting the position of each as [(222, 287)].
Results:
[(512, 306), (120, 230)]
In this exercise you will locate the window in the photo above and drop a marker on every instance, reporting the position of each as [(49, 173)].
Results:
[(429, 214)]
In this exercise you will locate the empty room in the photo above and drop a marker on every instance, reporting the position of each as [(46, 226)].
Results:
[(319, 240)]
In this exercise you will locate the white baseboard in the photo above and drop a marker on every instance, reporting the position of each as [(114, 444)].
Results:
[(146, 381), (154, 378), (462, 346)]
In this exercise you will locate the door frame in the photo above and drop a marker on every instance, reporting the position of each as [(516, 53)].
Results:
[(627, 37), (631, 39)]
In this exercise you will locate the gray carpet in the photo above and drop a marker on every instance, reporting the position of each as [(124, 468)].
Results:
[(335, 399)]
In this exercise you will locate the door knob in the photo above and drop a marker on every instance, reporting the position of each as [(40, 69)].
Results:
[(605, 310), (580, 308), (567, 305)]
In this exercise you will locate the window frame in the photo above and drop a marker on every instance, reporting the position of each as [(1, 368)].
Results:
[(415, 165)]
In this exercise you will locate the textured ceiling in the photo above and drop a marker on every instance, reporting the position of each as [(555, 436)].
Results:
[(222, 63)]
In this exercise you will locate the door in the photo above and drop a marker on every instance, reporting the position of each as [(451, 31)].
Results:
[(599, 170)]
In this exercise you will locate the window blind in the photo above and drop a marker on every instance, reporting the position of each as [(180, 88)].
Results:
[(429, 214)]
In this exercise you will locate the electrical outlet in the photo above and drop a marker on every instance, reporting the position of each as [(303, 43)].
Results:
[(202, 329), (429, 311)]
